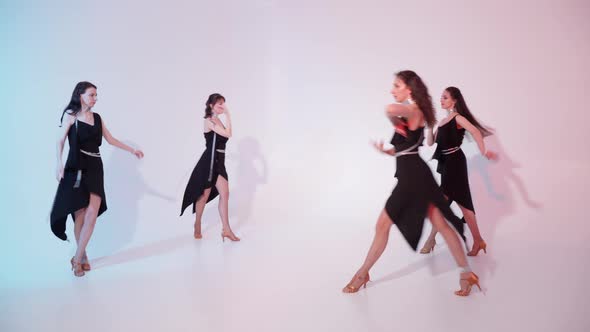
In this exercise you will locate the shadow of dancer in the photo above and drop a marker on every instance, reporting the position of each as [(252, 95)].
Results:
[(495, 187), (125, 189), (148, 250), (251, 172)]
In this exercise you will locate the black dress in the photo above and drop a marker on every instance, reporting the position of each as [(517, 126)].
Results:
[(83, 174), (452, 164), (416, 188), (204, 176)]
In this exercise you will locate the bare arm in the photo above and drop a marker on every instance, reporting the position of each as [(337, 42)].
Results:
[(218, 127), (430, 136), (115, 142), (394, 110), (476, 135), (380, 148), (61, 141)]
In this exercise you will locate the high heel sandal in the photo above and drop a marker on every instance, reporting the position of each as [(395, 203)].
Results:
[(230, 235), (469, 279), (428, 247), (475, 250), (350, 288), (85, 264), (77, 267)]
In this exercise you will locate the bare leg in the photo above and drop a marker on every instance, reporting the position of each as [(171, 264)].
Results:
[(430, 242), (199, 208), (223, 189), (478, 242), (467, 277), (78, 224), (84, 234), (377, 247), (451, 238), (88, 227), (472, 223)]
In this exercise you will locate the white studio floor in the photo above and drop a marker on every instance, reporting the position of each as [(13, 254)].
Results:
[(287, 272)]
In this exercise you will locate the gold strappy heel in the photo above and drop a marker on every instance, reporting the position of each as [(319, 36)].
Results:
[(350, 288), (468, 279), (475, 250), (85, 264), (428, 247), (77, 267)]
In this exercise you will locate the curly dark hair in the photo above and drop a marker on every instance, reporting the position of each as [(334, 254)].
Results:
[(419, 94)]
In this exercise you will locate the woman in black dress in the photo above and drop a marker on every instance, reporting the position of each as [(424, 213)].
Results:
[(452, 164), (209, 177), (416, 194), (81, 184)]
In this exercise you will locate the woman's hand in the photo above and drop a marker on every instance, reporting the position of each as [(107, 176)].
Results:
[(491, 155), (225, 110), (59, 173), (379, 146), (138, 153)]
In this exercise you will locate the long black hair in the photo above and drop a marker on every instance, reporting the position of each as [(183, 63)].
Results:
[(212, 100), (462, 109), (75, 105), (419, 94)]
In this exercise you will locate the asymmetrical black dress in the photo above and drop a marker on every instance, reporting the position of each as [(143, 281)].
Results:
[(83, 174), (204, 175), (416, 188), (452, 164)]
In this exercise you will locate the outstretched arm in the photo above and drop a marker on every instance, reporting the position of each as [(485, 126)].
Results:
[(380, 148), (115, 142), (477, 136), (392, 111)]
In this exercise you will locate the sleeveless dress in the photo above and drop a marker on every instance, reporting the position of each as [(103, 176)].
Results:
[(407, 206), (204, 175), (83, 174), (452, 164)]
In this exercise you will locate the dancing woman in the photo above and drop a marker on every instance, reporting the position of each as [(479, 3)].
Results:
[(452, 164), (80, 192), (416, 194), (209, 177)]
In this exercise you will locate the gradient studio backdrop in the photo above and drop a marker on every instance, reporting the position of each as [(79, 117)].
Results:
[(306, 82)]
